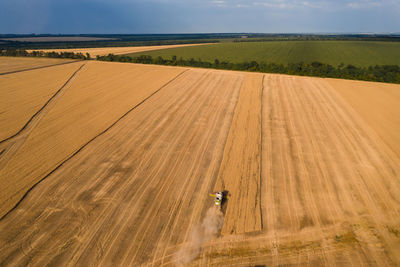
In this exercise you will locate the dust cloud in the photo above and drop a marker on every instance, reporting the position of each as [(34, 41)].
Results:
[(200, 235)]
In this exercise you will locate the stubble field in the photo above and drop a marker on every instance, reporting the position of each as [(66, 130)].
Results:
[(11, 65), (102, 51), (115, 163)]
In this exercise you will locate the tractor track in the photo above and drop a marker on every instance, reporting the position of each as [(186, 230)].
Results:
[(39, 114), (152, 159), (87, 143), (12, 144), (41, 67), (310, 182), (261, 153)]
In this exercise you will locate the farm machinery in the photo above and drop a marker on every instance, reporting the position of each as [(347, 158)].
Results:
[(219, 198)]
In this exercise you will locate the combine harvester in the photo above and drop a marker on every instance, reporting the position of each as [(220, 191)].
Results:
[(220, 198)]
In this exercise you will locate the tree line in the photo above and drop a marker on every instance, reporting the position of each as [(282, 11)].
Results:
[(377, 73), (24, 53)]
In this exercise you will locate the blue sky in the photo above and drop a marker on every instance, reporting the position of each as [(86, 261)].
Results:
[(190, 16)]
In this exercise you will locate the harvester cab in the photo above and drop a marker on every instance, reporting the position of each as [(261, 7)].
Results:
[(219, 198)]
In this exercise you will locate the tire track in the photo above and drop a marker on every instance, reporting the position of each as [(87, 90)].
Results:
[(135, 200), (87, 143), (133, 194), (261, 149), (268, 204), (31, 174), (36, 68), (205, 187), (116, 207), (328, 140), (10, 145), (39, 114), (167, 154), (186, 191)]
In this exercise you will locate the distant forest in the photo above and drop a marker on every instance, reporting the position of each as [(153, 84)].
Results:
[(169, 39), (377, 73)]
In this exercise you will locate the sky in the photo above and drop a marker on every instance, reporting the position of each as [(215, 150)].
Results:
[(199, 16)]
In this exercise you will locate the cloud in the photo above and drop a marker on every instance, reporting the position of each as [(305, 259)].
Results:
[(219, 3), (364, 4), (311, 4), (184, 16), (272, 4), (275, 4)]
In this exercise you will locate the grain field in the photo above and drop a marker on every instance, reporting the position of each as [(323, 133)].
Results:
[(16, 64), (377, 104), (85, 107), (329, 188), (117, 165), (23, 94), (141, 186), (103, 51), (240, 169)]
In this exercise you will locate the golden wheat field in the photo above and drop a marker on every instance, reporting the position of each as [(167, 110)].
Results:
[(102, 51), (16, 64), (112, 164)]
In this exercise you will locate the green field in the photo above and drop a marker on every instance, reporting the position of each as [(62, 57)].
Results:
[(358, 53)]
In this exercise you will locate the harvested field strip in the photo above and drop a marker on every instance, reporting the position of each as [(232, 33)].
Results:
[(377, 104), (303, 248), (102, 51), (24, 94), (135, 198), (249, 251), (11, 145), (41, 112), (86, 109), (6, 156), (10, 65), (57, 39), (322, 167), (119, 167), (240, 170)]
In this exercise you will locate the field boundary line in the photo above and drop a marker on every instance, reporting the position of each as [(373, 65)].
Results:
[(44, 106), (90, 141), (41, 67), (261, 150)]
